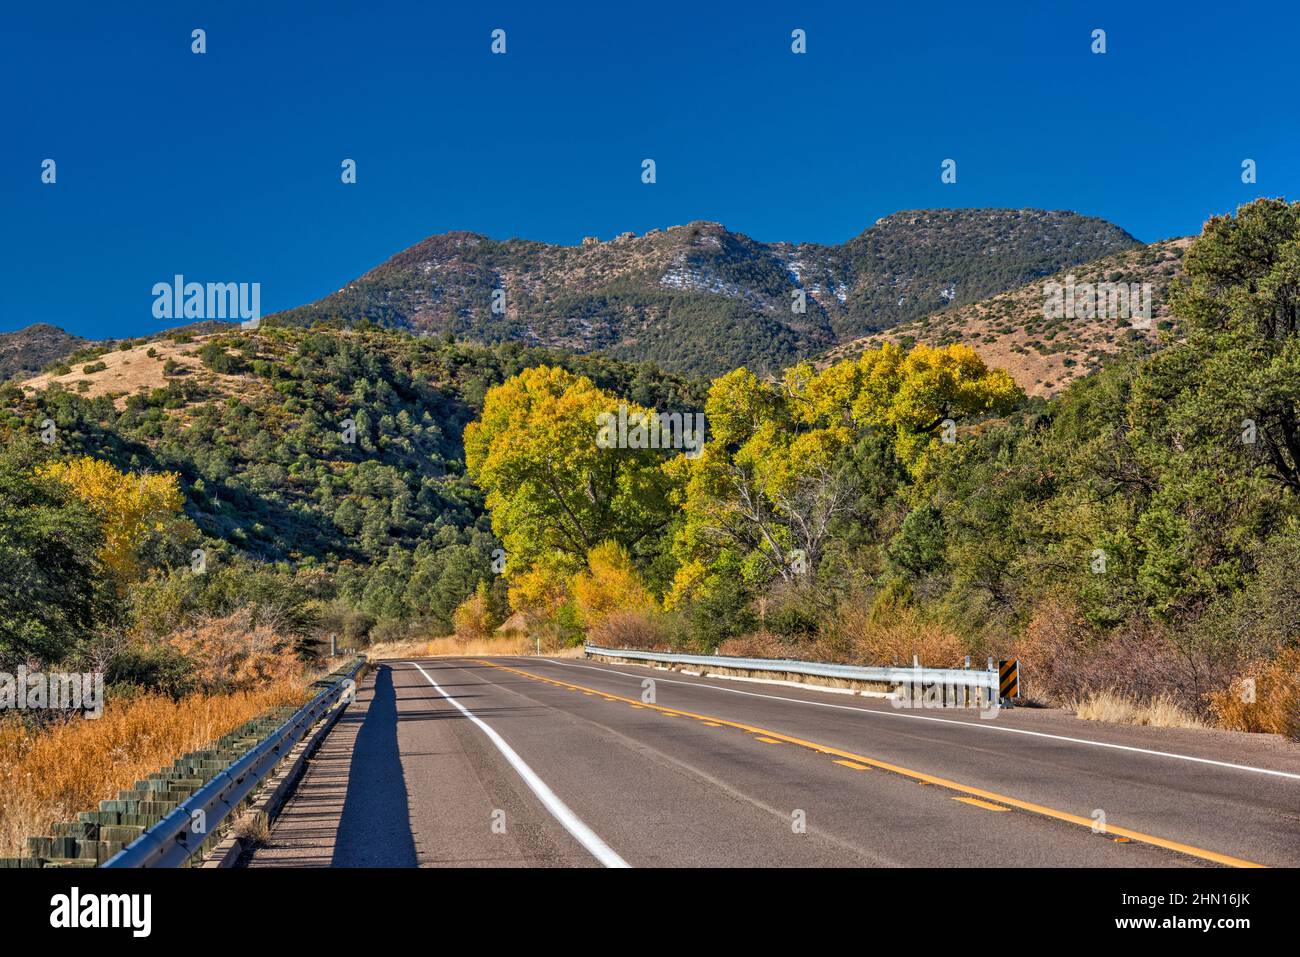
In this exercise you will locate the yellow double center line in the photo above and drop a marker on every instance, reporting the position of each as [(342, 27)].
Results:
[(965, 789)]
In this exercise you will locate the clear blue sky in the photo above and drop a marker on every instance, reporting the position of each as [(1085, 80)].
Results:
[(225, 166)]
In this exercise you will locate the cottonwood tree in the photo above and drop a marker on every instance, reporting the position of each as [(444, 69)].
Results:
[(775, 477), (553, 493)]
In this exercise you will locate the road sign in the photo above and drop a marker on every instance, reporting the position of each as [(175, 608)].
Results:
[(1009, 678)]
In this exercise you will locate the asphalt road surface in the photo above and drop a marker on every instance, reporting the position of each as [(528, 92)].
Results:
[(555, 762)]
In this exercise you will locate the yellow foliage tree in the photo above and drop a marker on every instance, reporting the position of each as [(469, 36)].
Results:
[(550, 485), (541, 589), (609, 583), (762, 496), (130, 508), (473, 619)]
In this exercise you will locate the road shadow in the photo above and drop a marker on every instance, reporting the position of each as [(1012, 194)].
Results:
[(375, 826)]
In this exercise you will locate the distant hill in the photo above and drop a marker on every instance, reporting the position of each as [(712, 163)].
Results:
[(33, 348), (700, 299), (1012, 331)]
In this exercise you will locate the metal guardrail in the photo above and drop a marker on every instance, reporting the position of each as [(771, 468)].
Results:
[(915, 677), (179, 835)]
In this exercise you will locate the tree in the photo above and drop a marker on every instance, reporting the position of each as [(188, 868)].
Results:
[(609, 583), (473, 619), (56, 588), (1241, 301), (553, 492), (131, 509), (782, 469)]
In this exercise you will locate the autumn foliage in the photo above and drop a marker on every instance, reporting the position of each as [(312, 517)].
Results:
[(236, 653), (474, 619), (130, 508)]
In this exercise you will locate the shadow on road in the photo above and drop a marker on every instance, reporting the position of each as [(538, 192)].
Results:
[(375, 826)]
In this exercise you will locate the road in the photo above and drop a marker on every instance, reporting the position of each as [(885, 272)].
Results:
[(539, 762)]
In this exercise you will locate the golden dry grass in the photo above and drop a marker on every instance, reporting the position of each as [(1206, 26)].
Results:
[(453, 647), (133, 370), (1117, 708), (49, 775)]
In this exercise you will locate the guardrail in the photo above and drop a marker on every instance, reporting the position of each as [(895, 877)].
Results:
[(183, 832), (959, 686)]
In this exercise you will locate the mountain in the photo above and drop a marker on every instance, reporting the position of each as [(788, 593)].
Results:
[(700, 299), (1013, 331), (33, 348)]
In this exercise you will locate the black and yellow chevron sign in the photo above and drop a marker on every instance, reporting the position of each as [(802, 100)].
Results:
[(1009, 678)]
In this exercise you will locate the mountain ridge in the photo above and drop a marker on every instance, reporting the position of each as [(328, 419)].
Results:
[(700, 298)]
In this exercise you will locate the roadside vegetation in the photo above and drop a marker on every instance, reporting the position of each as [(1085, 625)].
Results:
[(50, 772), (1132, 539)]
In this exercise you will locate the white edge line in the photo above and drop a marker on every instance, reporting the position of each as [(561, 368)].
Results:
[(559, 810), (963, 724)]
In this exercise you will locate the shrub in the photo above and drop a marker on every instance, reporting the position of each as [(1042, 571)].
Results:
[(233, 653), (759, 644), (609, 583), (473, 619), (1063, 660), (387, 630), (218, 359), (640, 629), (1266, 698)]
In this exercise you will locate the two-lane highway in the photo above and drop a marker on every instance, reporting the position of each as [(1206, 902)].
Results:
[(554, 762)]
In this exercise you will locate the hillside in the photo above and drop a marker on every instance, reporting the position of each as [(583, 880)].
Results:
[(700, 299), (33, 348), (253, 424), (1012, 331), (139, 367)]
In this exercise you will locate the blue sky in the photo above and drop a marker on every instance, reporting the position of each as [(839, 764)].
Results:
[(225, 166)]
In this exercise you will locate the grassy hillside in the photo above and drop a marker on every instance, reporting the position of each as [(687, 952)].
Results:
[(1011, 330)]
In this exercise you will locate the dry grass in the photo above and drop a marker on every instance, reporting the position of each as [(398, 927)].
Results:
[(253, 828), (453, 647), (49, 775), (133, 370), (1118, 708)]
